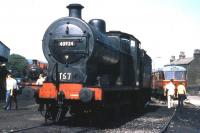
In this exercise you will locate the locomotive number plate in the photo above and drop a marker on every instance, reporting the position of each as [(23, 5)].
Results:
[(65, 76), (68, 43)]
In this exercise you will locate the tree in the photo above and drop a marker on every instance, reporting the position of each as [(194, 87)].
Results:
[(17, 64)]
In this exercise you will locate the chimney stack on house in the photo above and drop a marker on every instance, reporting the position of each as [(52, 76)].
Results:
[(173, 58), (196, 53), (182, 55)]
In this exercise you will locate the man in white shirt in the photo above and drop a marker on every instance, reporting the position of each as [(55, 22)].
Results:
[(40, 80), (169, 89), (9, 91), (11, 84)]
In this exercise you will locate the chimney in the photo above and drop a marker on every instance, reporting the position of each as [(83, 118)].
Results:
[(172, 58), (182, 55), (75, 10), (196, 53), (34, 62)]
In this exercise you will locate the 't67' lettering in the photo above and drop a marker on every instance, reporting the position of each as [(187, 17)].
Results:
[(65, 76)]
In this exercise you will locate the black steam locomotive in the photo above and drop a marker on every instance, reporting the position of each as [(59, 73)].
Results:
[(35, 69), (91, 69)]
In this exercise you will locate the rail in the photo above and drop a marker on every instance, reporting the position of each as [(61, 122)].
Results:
[(164, 129)]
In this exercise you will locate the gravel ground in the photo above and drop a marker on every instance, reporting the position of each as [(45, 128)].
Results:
[(186, 122), (152, 121), (26, 115)]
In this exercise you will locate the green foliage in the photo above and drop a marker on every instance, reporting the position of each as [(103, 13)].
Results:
[(17, 64)]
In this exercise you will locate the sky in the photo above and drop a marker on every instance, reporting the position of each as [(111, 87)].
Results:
[(164, 27)]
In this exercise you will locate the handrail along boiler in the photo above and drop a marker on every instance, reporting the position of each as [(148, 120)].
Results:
[(91, 69)]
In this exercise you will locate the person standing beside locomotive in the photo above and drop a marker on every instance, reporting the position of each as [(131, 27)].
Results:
[(11, 92), (169, 92), (181, 95), (40, 80)]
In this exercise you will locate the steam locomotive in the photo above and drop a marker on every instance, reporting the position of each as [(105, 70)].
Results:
[(35, 69), (91, 69)]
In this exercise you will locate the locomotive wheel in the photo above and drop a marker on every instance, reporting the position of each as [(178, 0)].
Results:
[(60, 114), (53, 113), (46, 112)]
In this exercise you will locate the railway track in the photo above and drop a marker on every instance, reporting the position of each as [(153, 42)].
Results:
[(69, 124), (23, 129), (52, 127), (164, 129), (156, 118)]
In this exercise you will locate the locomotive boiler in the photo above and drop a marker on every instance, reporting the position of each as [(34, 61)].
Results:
[(90, 69)]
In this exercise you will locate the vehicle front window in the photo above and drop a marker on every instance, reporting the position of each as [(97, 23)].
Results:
[(180, 75), (177, 75), (169, 75)]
